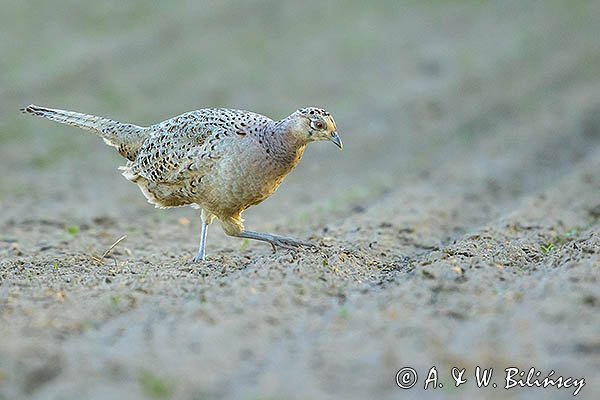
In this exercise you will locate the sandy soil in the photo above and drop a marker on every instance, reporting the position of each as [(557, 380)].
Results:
[(458, 228)]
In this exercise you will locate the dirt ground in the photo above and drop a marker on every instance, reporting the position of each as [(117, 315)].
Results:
[(458, 228)]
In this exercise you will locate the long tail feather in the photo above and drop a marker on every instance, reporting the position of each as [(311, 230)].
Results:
[(125, 137)]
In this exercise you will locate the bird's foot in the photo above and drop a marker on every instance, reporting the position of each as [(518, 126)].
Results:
[(276, 241), (198, 258), (288, 243)]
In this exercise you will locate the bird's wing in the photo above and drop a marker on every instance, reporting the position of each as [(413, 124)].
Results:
[(189, 144)]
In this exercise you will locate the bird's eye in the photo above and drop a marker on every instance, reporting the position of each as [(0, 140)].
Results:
[(319, 125)]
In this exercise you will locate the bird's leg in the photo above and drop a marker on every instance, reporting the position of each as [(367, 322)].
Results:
[(200, 255), (274, 240)]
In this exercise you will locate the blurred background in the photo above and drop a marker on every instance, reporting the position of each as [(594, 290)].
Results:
[(411, 84), (459, 226)]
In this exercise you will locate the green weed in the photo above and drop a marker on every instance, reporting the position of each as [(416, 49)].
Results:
[(115, 300), (72, 230), (343, 313), (547, 249), (155, 386)]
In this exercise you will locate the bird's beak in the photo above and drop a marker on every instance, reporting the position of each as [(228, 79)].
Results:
[(336, 140)]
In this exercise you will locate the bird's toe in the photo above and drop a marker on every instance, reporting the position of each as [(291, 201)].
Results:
[(289, 243), (197, 259)]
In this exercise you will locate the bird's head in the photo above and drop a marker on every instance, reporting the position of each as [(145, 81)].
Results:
[(314, 124)]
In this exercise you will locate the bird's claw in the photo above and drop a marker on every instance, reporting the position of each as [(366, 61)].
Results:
[(198, 259), (275, 241), (288, 243)]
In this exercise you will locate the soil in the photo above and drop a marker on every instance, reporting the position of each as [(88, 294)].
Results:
[(460, 226)]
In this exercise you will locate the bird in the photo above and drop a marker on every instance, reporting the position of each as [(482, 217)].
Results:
[(218, 160)]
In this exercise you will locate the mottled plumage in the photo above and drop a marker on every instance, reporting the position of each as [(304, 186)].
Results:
[(219, 160)]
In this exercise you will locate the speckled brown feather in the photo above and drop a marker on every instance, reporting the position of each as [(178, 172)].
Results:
[(220, 160)]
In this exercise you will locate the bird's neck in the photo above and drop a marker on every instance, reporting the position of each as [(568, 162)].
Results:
[(286, 146)]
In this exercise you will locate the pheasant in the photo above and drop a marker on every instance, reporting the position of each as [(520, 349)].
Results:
[(218, 160)]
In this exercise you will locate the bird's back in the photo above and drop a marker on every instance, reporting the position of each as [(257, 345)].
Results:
[(215, 158)]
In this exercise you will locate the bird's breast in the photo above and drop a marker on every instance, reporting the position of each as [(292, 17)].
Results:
[(246, 174)]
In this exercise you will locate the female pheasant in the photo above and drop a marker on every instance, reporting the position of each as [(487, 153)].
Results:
[(219, 160)]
